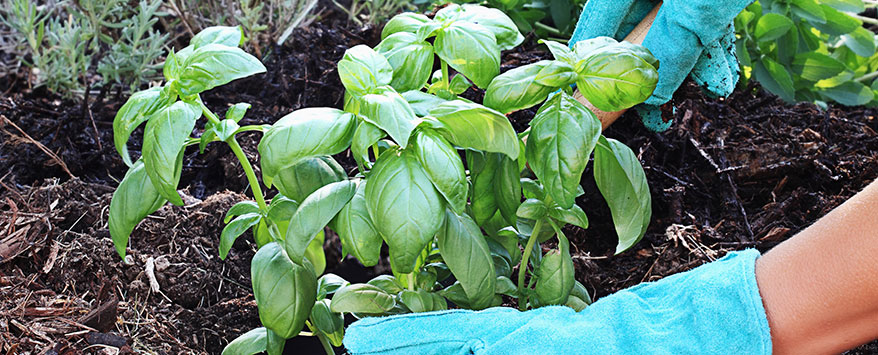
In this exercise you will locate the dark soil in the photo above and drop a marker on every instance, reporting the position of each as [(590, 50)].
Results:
[(745, 172)]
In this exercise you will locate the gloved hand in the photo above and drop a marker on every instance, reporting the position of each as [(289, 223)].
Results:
[(712, 309), (694, 36)]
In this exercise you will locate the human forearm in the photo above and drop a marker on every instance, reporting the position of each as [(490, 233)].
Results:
[(820, 288)]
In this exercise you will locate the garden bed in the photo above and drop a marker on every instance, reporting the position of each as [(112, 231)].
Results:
[(745, 172)]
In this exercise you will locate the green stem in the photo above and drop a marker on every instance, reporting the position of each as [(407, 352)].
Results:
[(323, 341), (445, 78), (207, 112), (248, 170), (522, 269), (865, 19), (375, 150), (869, 76), (412, 281), (548, 28)]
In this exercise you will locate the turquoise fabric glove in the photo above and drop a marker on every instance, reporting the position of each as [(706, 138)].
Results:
[(712, 309), (688, 36)]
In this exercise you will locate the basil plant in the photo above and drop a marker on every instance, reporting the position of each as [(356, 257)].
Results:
[(459, 198)]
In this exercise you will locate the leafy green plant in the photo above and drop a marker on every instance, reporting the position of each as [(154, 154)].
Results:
[(454, 227), (809, 50)]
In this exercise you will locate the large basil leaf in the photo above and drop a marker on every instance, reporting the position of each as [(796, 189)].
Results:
[(315, 254), (225, 35), (622, 182), (614, 78), (470, 49), (365, 136), (284, 290), (507, 187), (422, 102), (465, 251), (314, 213), (411, 59), (405, 207), (361, 298), (249, 343), (390, 112), (560, 51), (163, 142), (483, 174), (471, 125), (134, 199), (556, 74), (404, 22), (443, 166), (309, 132), (517, 89), (309, 174), (494, 20), (139, 107), (234, 229), (213, 65), (563, 134)]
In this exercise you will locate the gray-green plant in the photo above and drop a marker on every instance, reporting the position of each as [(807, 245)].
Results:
[(455, 228)]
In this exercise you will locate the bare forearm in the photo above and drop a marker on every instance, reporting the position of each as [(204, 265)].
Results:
[(820, 288)]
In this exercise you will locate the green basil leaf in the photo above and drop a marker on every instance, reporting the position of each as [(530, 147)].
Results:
[(365, 136), (163, 141), (405, 207), (518, 89), (390, 112), (304, 133), (240, 208), (837, 22), (559, 51), (309, 174), (770, 27), (139, 107), (507, 187), (225, 35), (284, 291), (456, 294), (404, 22), (563, 134), (459, 84), (226, 129), (422, 102), (809, 10), (328, 284), (249, 343), (234, 230), (474, 126), (585, 48), (387, 283), (615, 78), (470, 49), (275, 343), (356, 231), (556, 74), (816, 66), (532, 189), (282, 208), (503, 28), (855, 6), (411, 59), (314, 214), (505, 286), (213, 65), (237, 111), (134, 199), (483, 173), (861, 41), (532, 209), (314, 253), (775, 78), (465, 251), (328, 322), (851, 93), (417, 301), (361, 69), (555, 275), (580, 292), (574, 215), (622, 182), (361, 298), (443, 167)]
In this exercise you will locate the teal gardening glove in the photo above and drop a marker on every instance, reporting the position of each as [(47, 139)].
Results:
[(688, 36), (712, 309)]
